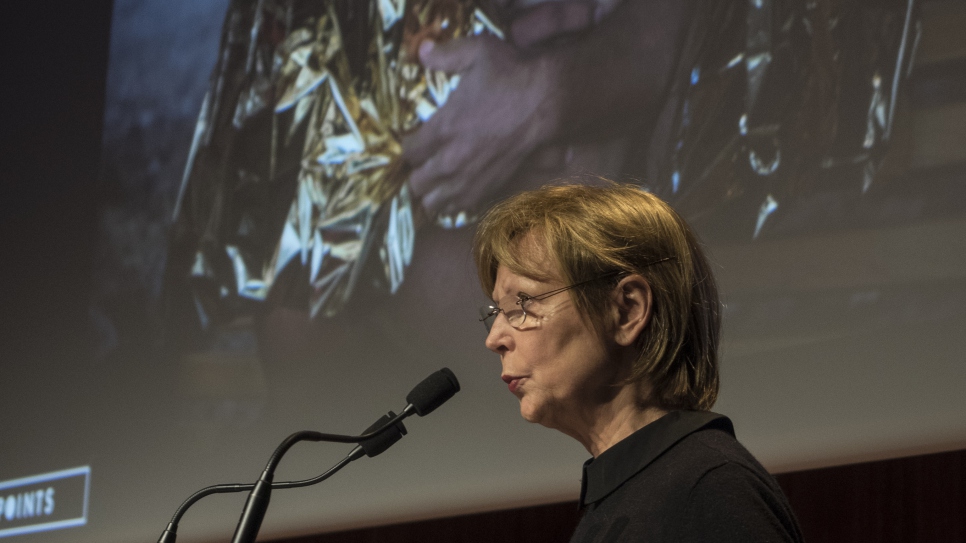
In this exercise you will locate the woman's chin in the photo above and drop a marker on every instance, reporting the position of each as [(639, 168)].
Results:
[(532, 413)]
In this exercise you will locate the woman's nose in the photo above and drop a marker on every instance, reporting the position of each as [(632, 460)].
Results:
[(499, 339)]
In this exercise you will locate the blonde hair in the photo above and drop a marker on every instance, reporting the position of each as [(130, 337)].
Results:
[(589, 231)]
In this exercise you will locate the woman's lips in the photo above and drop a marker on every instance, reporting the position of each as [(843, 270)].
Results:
[(512, 382)]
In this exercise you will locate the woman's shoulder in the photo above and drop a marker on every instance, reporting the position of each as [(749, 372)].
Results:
[(712, 448), (731, 493)]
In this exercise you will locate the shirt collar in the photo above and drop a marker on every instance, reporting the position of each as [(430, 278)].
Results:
[(602, 475)]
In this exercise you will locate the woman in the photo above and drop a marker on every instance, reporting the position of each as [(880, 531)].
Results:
[(606, 317)]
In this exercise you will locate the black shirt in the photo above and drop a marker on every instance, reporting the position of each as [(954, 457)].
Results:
[(682, 478)]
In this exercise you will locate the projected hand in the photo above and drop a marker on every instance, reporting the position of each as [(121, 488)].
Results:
[(503, 108), (512, 100)]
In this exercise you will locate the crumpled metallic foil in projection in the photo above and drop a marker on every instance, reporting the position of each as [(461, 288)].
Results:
[(295, 181), (773, 98)]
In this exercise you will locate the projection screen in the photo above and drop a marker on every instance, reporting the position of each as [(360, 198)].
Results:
[(264, 266)]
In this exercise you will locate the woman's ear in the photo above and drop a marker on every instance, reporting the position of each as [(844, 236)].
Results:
[(633, 304)]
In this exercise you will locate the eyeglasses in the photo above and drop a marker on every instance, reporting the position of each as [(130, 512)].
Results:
[(515, 306)]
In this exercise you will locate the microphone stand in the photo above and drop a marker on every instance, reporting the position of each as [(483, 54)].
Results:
[(257, 503), (171, 531), (429, 394), (376, 439)]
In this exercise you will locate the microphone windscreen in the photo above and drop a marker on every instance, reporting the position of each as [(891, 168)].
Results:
[(433, 391)]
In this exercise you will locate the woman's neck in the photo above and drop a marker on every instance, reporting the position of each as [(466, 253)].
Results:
[(610, 423)]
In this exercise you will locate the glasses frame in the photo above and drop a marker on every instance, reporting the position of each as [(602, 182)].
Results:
[(488, 313)]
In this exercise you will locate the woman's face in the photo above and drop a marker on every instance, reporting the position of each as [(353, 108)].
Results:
[(557, 365)]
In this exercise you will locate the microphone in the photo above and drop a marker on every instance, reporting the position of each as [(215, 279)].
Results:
[(432, 392), (385, 432), (370, 447), (423, 399)]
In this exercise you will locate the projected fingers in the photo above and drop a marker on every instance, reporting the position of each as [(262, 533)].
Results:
[(501, 111)]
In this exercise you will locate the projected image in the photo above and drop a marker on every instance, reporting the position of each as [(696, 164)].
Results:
[(291, 186), (310, 148), (296, 192), (332, 140), (297, 188)]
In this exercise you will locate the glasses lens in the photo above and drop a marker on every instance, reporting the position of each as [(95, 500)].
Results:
[(488, 315), (512, 307), (514, 311)]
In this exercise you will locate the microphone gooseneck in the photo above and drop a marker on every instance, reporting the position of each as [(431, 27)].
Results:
[(255, 507)]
